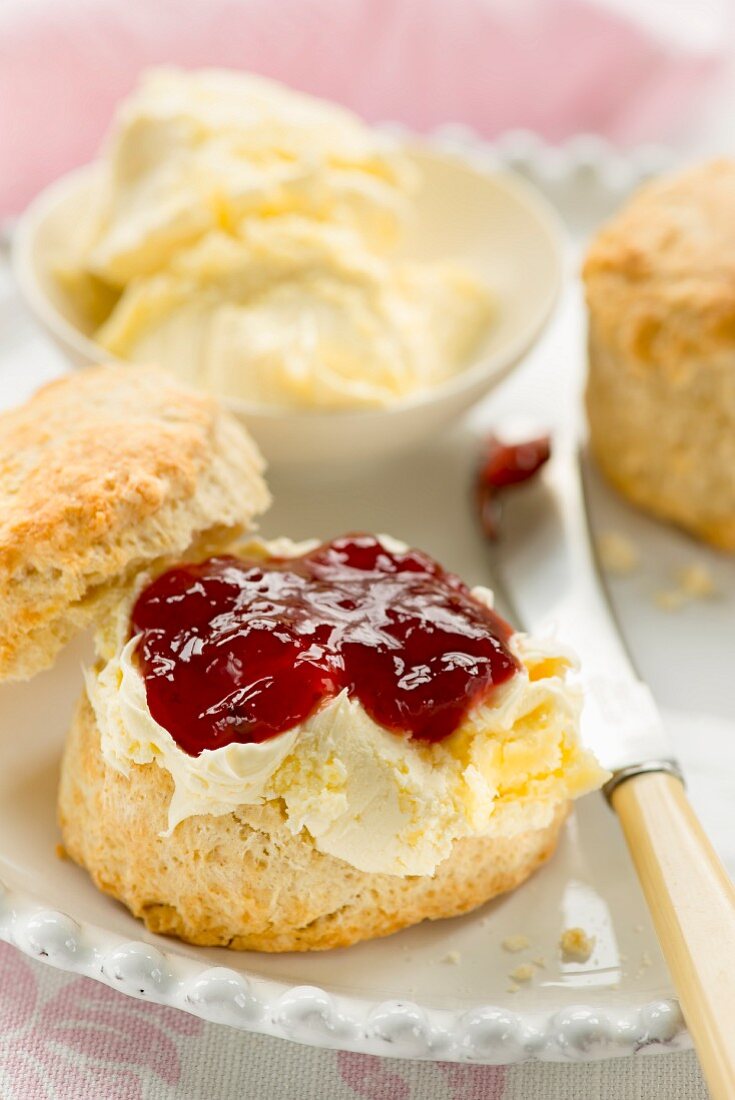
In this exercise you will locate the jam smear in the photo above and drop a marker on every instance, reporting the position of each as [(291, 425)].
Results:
[(502, 466), (237, 650)]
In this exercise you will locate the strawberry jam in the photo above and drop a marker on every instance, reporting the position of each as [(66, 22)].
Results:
[(241, 650), (504, 465)]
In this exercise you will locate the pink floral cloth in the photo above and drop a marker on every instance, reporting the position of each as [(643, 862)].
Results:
[(69, 1038), (554, 66), (83, 1040)]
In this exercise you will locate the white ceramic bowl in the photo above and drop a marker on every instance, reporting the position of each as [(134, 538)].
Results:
[(497, 223)]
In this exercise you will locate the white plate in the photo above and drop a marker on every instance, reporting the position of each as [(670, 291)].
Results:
[(397, 996)]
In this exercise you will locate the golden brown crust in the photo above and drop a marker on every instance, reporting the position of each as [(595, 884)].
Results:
[(660, 287), (241, 880), (101, 473), (660, 276)]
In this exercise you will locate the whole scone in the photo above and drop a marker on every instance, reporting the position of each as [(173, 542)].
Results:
[(660, 289)]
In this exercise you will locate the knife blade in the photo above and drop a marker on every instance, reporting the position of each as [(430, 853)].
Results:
[(547, 570), (547, 576)]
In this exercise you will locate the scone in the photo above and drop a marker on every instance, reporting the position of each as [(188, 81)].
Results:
[(101, 474), (660, 286), (279, 746)]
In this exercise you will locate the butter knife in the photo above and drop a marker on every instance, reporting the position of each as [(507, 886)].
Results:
[(547, 577)]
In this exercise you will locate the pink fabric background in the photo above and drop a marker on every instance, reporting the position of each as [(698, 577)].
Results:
[(69, 1038), (83, 1040), (555, 66)]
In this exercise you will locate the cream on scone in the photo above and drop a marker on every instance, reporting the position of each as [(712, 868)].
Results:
[(280, 746), (377, 798), (661, 389)]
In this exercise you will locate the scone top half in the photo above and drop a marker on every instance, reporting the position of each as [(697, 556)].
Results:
[(660, 288), (103, 474)]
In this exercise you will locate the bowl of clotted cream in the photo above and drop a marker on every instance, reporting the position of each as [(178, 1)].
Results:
[(347, 295)]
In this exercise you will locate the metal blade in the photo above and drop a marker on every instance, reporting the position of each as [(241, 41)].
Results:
[(550, 582)]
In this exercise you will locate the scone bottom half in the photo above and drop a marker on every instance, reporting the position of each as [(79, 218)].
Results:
[(299, 746)]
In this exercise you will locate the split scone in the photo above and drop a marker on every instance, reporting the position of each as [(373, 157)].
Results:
[(660, 281), (280, 746)]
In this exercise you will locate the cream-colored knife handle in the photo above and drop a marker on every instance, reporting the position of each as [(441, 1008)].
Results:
[(692, 902)]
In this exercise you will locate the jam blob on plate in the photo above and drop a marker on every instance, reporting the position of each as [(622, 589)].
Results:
[(241, 650), (502, 466)]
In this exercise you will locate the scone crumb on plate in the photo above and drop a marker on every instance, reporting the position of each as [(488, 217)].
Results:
[(540, 962), (670, 599), (576, 945), (453, 958), (512, 988), (693, 582), (618, 553), (522, 973), (61, 852), (516, 943), (696, 580), (646, 961)]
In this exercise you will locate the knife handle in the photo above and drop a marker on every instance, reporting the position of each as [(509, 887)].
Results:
[(692, 902)]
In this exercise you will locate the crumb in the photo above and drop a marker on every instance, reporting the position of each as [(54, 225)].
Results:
[(646, 960), (623, 958), (637, 927), (512, 988), (693, 582), (670, 599), (540, 962), (452, 957), (61, 852), (515, 943), (696, 581), (522, 973), (576, 945), (618, 554)]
